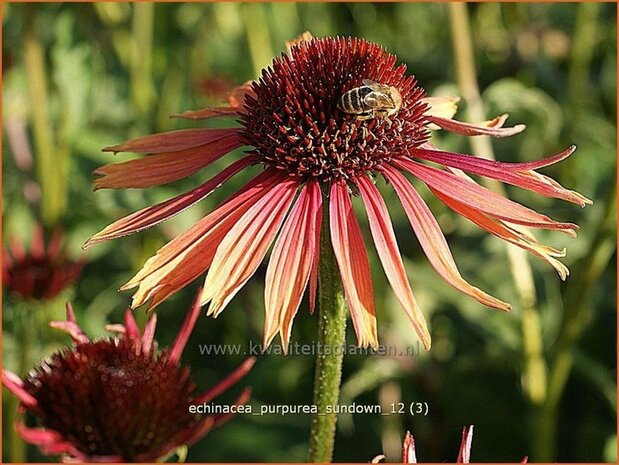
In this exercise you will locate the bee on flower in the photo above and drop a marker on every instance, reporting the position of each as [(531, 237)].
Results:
[(316, 154)]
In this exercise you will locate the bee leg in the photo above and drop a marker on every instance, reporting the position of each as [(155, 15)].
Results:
[(365, 116)]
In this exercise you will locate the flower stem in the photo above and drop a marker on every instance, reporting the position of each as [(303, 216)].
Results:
[(24, 331), (332, 333)]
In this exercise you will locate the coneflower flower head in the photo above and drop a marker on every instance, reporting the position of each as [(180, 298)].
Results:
[(317, 156), (116, 399), (292, 120), (40, 272)]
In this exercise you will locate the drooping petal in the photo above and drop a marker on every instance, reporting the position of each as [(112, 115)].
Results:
[(14, 384), (441, 106), (172, 141), (408, 449), (353, 264), (389, 254), (511, 173), (464, 454), (433, 241), (290, 264), (480, 198), (188, 255), (493, 127), (153, 215), (243, 248), (508, 234), (163, 168)]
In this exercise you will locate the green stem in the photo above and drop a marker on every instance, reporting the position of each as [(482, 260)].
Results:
[(332, 336), (47, 161), (24, 330), (577, 314), (142, 87)]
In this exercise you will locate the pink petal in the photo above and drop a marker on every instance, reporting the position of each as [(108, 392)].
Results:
[(149, 334), (433, 241), (389, 254), (187, 256), (153, 215), (241, 251), (70, 326), (511, 173), (313, 282), (240, 400), (464, 454), (131, 328), (509, 234), (52, 443), (163, 168), (480, 198), (173, 141), (441, 106), (225, 384), (14, 384), (493, 128), (183, 335), (290, 264), (353, 263), (408, 449)]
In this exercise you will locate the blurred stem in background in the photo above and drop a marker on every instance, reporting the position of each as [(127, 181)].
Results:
[(577, 303), (535, 370), (577, 315), (258, 38), (142, 87), (332, 334), (585, 39), (24, 326), (51, 163)]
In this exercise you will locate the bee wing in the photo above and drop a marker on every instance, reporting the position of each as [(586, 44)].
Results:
[(378, 100), (375, 86)]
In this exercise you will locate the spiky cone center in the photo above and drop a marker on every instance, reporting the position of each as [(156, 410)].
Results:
[(110, 399), (294, 123)]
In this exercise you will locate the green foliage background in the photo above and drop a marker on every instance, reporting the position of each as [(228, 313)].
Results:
[(83, 76)]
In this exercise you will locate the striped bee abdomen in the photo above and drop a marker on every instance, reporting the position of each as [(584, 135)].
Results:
[(353, 101)]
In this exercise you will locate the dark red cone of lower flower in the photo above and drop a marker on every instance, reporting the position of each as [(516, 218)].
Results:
[(317, 156), (117, 399), (42, 272)]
